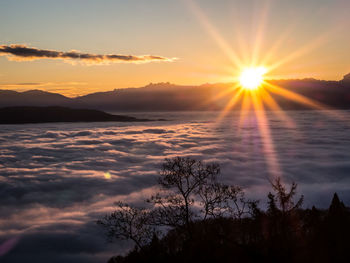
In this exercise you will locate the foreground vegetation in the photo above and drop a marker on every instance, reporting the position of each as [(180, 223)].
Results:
[(193, 217)]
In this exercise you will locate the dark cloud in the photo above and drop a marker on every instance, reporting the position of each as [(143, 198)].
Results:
[(23, 53)]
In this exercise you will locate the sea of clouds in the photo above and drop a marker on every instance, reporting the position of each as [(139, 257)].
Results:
[(55, 183)]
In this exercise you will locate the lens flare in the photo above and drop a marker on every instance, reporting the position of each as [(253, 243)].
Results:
[(252, 78), (251, 92)]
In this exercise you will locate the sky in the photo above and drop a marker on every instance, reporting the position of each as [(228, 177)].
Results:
[(128, 43)]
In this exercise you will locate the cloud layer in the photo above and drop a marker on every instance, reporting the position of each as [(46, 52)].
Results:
[(24, 53), (53, 188)]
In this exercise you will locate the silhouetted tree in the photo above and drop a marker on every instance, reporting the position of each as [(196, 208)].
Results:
[(129, 223), (336, 229), (219, 200), (337, 207), (188, 191), (283, 223), (284, 198), (180, 181), (209, 221)]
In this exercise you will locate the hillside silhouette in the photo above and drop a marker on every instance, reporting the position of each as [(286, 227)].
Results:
[(170, 97), (21, 115)]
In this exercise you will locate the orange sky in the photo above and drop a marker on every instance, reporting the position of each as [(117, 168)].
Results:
[(212, 41)]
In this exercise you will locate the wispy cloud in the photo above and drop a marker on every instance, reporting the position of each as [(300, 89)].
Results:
[(21, 52)]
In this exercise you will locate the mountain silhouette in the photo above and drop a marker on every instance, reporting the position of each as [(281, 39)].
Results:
[(32, 98), (21, 115), (346, 78), (170, 97)]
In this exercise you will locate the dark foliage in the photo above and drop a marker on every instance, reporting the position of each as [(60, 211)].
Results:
[(228, 228)]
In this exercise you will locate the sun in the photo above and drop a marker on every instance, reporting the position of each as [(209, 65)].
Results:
[(252, 78)]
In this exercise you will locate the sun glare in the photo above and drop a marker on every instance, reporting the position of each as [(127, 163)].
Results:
[(252, 78), (252, 92)]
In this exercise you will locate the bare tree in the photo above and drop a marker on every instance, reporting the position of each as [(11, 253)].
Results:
[(239, 205), (213, 199), (128, 222), (180, 180), (168, 210), (219, 200), (188, 191)]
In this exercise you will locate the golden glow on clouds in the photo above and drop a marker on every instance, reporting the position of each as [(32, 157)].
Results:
[(107, 175)]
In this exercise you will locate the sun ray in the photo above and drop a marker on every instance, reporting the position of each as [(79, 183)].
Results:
[(294, 96), (222, 94), (273, 105), (304, 100), (264, 129), (268, 55), (301, 51), (213, 32), (230, 105), (242, 45), (244, 108), (225, 92), (259, 35)]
